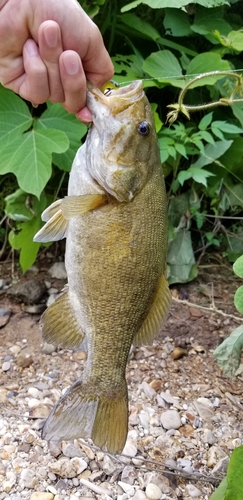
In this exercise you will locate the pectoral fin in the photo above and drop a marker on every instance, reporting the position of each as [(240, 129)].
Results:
[(51, 210), (59, 324), (78, 205), (54, 230), (156, 316)]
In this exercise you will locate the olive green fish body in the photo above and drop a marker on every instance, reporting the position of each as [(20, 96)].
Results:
[(114, 219)]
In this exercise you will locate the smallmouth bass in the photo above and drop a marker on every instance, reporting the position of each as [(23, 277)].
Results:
[(115, 224)]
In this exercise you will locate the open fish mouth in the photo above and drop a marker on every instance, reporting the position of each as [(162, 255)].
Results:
[(116, 99)]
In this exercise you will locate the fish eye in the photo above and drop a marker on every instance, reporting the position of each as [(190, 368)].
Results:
[(144, 129)]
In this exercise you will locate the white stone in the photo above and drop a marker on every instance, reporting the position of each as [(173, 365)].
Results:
[(6, 366), (58, 271), (140, 495), (153, 492), (127, 488), (130, 449), (170, 419), (193, 491), (148, 390), (28, 478), (41, 495), (34, 393)]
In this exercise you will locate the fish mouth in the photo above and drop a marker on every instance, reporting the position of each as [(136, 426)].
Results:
[(116, 99)]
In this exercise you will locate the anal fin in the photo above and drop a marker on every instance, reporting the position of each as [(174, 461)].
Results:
[(156, 316), (59, 324)]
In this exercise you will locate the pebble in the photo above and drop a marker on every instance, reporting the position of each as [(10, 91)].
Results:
[(170, 419), (215, 453), (127, 488), (130, 449), (139, 495), (41, 495), (129, 474), (205, 409), (3, 395), (148, 390), (29, 292), (6, 366), (71, 451), (4, 317), (66, 468), (58, 271), (28, 478), (153, 492), (168, 398), (193, 491)]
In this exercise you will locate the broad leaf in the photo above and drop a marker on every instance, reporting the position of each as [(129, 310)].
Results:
[(177, 23), (29, 157), (203, 63), (238, 299), (228, 354), (238, 267), (140, 25), (15, 117), (211, 153), (205, 121), (161, 4), (164, 66), (219, 493), (229, 128), (127, 68), (22, 240), (180, 258), (55, 117), (21, 206)]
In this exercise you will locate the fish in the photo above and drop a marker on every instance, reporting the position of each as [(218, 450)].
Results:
[(114, 219)]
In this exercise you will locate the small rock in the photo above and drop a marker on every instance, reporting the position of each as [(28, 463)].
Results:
[(170, 419), (208, 437), (130, 449), (161, 481), (185, 465), (41, 495), (29, 292), (4, 316), (28, 478), (139, 495), (6, 366), (68, 468), (109, 466), (153, 492), (34, 309), (40, 411), (128, 474), (148, 390), (193, 491), (156, 384), (15, 349), (221, 466), (205, 408), (87, 450), (178, 353), (168, 398), (24, 361), (48, 348), (144, 419), (127, 488), (33, 392), (214, 455), (71, 451), (58, 271)]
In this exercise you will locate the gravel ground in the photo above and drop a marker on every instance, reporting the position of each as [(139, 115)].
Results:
[(185, 417)]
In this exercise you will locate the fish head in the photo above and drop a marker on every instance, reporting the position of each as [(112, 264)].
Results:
[(121, 145)]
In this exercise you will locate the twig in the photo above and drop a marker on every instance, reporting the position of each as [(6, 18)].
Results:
[(180, 107), (213, 310)]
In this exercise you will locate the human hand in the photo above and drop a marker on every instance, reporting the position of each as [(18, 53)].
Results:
[(48, 49)]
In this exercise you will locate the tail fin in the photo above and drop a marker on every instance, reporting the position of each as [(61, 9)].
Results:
[(87, 412)]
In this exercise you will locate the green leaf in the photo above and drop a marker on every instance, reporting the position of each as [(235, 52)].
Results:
[(206, 22), (206, 136), (216, 131), (29, 157), (164, 66), (228, 354), (15, 117), (183, 176), (177, 23), (203, 63), (234, 475), (23, 239), (238, 267), (238, 299), (21, 207), (227, 127), (157, 120), (140, 25), (55, 117), (234, 40), (127, 68), (181, 149), (219, 493), (197, 174), (211, 153), (205, 121), (161, 4), (180, 259)]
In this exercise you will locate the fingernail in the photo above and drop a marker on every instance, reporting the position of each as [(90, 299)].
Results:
[(51, 36), (72, 64)]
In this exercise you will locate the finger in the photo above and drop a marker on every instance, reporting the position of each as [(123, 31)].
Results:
[(73, 81), (50, 47), (84, 116), (33, 84)]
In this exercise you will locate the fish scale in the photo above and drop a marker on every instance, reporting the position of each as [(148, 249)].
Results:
[(114, 220)]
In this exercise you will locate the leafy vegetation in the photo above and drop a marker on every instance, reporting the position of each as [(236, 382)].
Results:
[(167, 44), (231, 488)]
